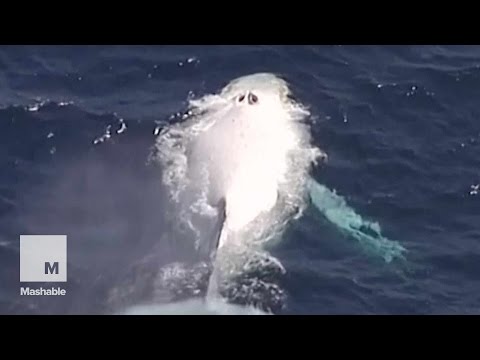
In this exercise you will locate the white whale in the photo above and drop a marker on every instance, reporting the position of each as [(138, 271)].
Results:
[(240, 153), (241, 161)]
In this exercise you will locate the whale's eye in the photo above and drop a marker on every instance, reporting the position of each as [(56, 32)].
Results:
[(252, 98)]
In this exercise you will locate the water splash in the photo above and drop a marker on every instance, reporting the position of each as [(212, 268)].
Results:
[(193, 307), (368, 234)]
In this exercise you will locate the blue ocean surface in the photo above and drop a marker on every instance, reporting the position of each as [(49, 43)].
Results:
[(400, 125)]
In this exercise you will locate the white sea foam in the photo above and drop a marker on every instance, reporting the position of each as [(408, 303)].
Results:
[(192, 307)]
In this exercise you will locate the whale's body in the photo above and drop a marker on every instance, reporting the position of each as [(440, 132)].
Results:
[(243, 158), (241, 153), (245, 154)]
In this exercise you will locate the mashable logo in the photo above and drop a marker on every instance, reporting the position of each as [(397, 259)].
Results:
[(43, 258)]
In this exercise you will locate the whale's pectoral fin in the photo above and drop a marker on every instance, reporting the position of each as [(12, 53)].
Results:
[(222, 215), (368, 234), (209, 246)]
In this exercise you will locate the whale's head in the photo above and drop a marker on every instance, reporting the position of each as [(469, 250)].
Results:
[(257, 90)]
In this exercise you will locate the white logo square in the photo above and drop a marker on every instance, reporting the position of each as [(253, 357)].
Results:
[(43, 258)]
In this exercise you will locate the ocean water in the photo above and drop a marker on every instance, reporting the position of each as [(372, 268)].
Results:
[(400, 125)]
